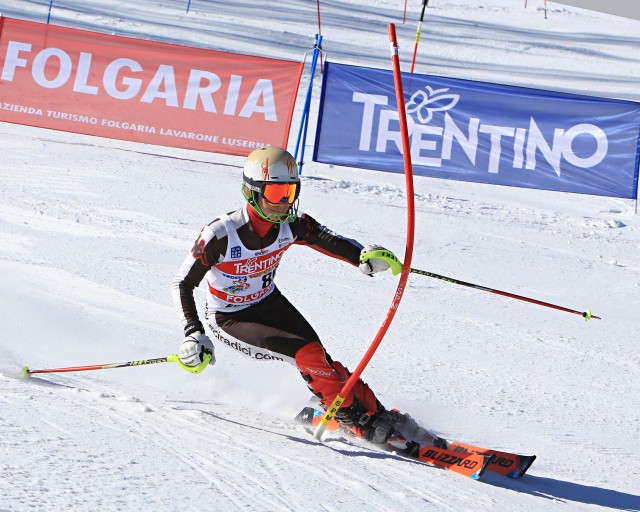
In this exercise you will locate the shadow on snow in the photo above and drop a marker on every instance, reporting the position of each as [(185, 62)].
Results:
[(563, 491)]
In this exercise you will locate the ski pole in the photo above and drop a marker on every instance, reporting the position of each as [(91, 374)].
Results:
[(585, 314), (173, 358)]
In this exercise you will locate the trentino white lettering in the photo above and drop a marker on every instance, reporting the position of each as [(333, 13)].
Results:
[(430, 145)]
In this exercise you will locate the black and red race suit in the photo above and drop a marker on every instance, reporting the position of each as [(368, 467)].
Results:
[(244, 308)]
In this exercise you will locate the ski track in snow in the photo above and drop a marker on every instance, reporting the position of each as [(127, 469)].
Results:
[(251, 468), (92, 230)]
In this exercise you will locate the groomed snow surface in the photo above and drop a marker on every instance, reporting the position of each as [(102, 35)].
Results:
[(92, 231)]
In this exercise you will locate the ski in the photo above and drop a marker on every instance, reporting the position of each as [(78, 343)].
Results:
[(462, 458), (508, 464), (469, 464)]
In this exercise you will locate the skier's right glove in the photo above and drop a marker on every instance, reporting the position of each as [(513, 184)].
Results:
[(194, 347)]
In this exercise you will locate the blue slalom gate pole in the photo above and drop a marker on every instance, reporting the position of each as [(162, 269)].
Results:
[(49, 13), (304, 123), (188, 5)]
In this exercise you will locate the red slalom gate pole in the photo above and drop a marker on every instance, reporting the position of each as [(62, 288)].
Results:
[(406, 269), (415, 46), (319, 32)]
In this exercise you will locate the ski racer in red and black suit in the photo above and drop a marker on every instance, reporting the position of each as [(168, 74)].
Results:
[(239, 253)]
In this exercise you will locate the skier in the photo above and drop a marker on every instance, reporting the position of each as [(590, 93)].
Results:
[(239, 253)]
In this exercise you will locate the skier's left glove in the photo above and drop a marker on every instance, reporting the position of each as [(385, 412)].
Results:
[(194, 347), (375, 258)]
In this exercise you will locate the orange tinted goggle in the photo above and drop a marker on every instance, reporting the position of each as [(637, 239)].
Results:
[(280, 192)]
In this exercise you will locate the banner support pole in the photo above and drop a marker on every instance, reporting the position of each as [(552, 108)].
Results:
[(304, 122)]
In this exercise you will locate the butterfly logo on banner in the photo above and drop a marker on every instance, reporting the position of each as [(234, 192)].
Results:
[(424, 103)]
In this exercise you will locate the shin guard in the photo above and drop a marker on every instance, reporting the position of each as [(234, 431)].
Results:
[(326, 379)]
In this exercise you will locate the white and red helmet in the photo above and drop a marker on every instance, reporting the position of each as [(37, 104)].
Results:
[(272, 173)]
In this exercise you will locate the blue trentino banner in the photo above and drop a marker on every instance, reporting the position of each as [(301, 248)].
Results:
[(480, 132)]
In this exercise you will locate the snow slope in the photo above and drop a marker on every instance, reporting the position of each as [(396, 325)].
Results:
[(92, 230)]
